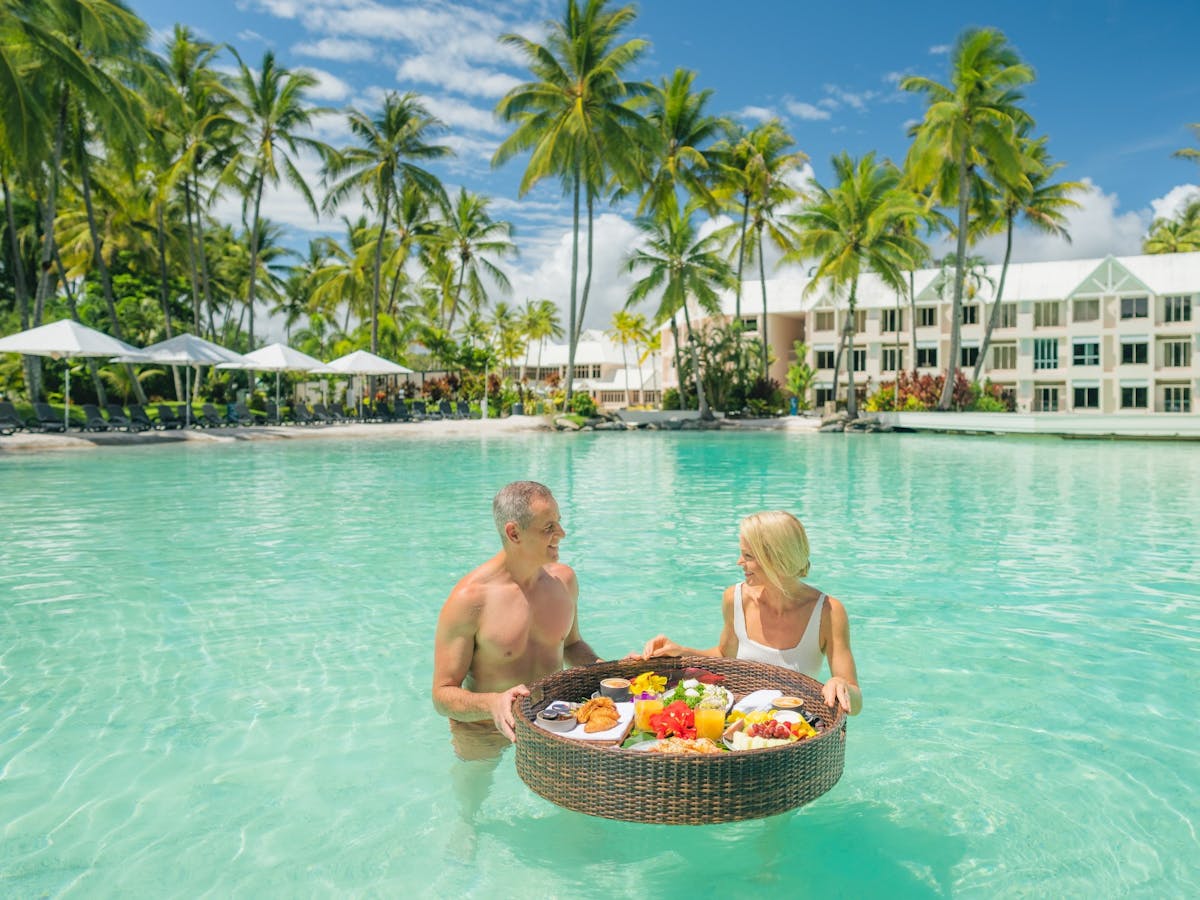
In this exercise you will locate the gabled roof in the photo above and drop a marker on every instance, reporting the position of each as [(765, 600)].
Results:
[(1108, 278)]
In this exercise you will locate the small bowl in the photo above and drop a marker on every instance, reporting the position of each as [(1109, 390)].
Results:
[(787, 703), (557, 721)]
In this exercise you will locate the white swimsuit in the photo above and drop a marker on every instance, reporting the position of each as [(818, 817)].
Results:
[(805, 657)]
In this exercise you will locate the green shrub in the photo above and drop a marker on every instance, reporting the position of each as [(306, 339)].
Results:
[(583, 405)]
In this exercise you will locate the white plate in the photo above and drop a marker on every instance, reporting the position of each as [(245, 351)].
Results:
[(612, 734), (757, 701)]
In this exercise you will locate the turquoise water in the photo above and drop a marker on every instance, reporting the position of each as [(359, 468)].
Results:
[(215, 664)]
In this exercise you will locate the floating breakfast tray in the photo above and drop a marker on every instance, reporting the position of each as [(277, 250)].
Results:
[(678, 789)]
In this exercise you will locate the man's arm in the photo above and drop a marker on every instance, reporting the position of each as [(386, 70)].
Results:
[(576, 651), (453, 651)]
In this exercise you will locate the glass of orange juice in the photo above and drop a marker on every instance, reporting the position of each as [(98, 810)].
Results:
[(710, 718), (645, 706)]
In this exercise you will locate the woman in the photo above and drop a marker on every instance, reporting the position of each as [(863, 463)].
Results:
[(773, 617)]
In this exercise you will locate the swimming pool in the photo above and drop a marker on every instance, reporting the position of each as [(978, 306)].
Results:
[(215, 664)]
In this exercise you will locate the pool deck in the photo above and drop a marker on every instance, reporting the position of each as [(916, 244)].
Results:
[(1137, 426)]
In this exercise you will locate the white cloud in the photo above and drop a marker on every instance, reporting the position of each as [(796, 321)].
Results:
[(246, 36), (1173, 202), (460, 114), (855, 99), (893, 77), (939, 49), (756, 113), (328, 87), (453, 75), (335, 49), (806, 111)]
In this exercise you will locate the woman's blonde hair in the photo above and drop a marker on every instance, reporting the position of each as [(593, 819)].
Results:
[(777, 541)]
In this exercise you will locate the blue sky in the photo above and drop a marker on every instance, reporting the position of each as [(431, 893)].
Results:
[(1115, 89)]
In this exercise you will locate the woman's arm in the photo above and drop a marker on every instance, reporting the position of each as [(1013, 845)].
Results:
[(842, 687), (726, 645)]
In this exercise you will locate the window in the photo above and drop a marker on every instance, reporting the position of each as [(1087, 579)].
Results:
[(893, 359), (1177, 398), (1176, 353), (926, 316), (1045, 399), (1008, 316), (823, 320), (1087, 310), (860, 321), (1134, 307), (1086, 353), (970, 313), (927, 358), (1134, 353), (1004, 356), (968, 356), (1133, 397), (1177, 309), (824, 359), (1045, 353), (595, 371), (1045, 314), (893, 320), (860, 360), (749, 323), (1087, 398), (824, 395)]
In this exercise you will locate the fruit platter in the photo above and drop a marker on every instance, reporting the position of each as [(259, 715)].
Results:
[(690, 741)]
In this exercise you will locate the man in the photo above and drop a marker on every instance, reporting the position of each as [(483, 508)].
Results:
[(508, 623)]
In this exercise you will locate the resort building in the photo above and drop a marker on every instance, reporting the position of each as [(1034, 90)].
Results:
[(1111, 335), (611, 374)]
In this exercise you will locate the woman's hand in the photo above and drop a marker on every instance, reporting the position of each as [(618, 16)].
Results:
[(836, 692), (661, 646)]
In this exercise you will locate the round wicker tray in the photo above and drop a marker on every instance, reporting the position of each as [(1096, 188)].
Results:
[(675, 789)]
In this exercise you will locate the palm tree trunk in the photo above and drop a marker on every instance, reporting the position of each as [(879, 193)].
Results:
[(93, 369), (960, 272), (258, 191), (848, 336), (912, 319), (21, 286), (202, 252), (587, 278), (701, 400), (837, 360), (163, 297), (98, 256), (378, 273), (187, 212), (678, 364), (46, 276), (762, 280), (995, 316), (625, 366), (737, 301), (571, 342), (896, 360)]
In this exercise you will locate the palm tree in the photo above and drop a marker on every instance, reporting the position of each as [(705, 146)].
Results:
[(1178, 235), (1043, 206), (858, 225), (1190, 152), (679, 266), (628, 328), (681, 156), (540, 322), (272, 116), (969, 125), (574, 116), (470, 236), (382, 164), (754, 176)]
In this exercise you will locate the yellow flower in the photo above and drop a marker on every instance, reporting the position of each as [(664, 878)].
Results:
[(648, 682)]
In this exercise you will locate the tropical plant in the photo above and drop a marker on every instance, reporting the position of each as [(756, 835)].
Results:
[(1175, 235), (680, 266), (858, 225), (800, 375), (970, 125), (574, 118), (470, 237), (681, 157), (628, 328)]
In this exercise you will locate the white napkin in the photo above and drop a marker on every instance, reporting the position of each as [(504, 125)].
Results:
[(612, 734), (756, 701)]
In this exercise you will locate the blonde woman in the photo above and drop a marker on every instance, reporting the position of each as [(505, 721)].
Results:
[(774, 617)]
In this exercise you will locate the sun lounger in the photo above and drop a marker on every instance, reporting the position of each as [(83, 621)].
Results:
[(242, 416), (462, 409), (400, 413), (10, 422), (46, 419), (209, 417), (380, 412), (118, 421), (167, 419), (419, 411), (93, 419), (445, 410), (140, 417), (339, 414), (274, 413), (301, 415)]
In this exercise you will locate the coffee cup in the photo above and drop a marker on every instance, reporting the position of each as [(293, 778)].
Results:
[(616, 689), (787, 703)]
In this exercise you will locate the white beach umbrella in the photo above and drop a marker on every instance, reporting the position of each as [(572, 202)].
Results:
[(361, 362), (276, 358), (185, 350), (65, 339)]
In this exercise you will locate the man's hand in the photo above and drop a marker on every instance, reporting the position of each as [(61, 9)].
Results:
[(661, 646), (502, 710)]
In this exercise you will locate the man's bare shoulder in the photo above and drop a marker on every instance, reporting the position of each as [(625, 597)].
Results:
[(472, 591), (564, 573)]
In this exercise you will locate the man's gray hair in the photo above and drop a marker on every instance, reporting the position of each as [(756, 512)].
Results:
[(514, 503)]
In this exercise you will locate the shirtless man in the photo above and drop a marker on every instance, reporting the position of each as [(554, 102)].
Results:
[(508, 623)]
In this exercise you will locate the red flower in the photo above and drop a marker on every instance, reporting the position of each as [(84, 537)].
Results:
[(676, 720)]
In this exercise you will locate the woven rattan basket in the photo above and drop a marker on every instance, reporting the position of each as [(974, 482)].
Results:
[(674, 789)]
